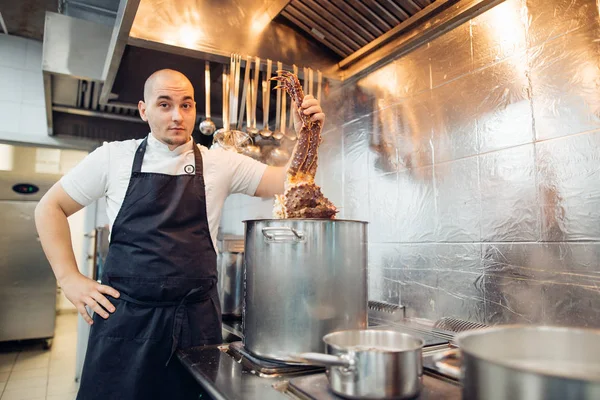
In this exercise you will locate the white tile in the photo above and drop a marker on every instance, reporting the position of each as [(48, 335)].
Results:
[(56, 387), (29, 373), (25, 394), (61, 380), (33, 56), (4, 376), (2, 384), (25, 383), (11, 83), (33, 355), (32, 360), (62, 367), (13, 50), (33, 120), (10, 113), (7, 360), (66, 354), (33, 88), (65, 396)]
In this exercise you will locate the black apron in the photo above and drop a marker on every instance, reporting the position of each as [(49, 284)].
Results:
[(162, 261)]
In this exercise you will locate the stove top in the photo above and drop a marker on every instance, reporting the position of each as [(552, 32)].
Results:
[(316, 387), (228, 372), (267, 367)]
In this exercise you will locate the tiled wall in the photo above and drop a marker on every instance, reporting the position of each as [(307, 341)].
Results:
[(22, 104), (22, 109), (476, 160)]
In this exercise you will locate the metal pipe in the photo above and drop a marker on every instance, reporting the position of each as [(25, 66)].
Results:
[(91, 7), (3, 24), (90, 113)]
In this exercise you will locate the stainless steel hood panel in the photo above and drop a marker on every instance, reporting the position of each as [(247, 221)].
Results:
[(346, 26), (74, 52), (74, 47), (223, 27)]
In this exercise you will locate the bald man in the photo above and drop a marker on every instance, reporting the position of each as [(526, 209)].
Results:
[(158, 287)]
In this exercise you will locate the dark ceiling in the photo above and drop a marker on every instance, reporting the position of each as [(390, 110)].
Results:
[(26, 17)]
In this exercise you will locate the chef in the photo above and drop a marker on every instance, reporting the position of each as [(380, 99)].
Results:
[(164, 198)]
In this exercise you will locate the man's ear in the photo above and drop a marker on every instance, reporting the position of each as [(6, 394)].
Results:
[(142, 110)]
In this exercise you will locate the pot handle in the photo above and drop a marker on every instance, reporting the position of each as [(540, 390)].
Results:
[(440, 362), (282, 234), (325, 360)]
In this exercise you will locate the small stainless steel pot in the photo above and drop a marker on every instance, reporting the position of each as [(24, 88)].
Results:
[(521, 362), (371, 364)]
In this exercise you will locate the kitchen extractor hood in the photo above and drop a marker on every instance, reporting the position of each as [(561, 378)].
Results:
[(344, 39), (74, 53)]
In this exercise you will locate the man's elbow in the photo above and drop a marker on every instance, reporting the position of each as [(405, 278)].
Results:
[(272, 182)]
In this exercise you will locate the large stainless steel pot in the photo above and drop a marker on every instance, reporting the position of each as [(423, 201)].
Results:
[(304, 279), (529, 363), (231, 275), (374, 364)]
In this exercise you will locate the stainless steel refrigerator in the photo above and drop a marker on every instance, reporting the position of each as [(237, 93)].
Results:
[(27, 284)]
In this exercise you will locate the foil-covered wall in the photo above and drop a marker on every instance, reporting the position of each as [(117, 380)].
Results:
[(476, 160)]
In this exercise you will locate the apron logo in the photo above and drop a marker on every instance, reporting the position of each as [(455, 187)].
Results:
[(189, 169)]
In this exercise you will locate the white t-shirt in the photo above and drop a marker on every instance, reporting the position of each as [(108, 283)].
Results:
[(106, 172)]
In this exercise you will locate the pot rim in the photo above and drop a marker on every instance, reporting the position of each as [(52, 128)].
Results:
[(460, 337), (302, 220), (419, 341)]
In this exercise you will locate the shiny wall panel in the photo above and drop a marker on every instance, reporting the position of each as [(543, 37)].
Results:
[(454, 115), (546, 20), (568, 173), (565, 78), (509, 207), (458, 201), (476, 161), (503, 111), (498, 33)]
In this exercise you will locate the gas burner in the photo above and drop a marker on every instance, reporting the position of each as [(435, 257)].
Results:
[(265, 367), (430, 367), (316, 387)]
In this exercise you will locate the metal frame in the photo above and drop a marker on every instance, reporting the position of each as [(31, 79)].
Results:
[(124, 22), (92, 113), (120, 39), (3, 25), (408, 36), (409, 23), (91, 7)]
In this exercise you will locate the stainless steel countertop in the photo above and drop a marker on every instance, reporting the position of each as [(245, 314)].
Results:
[(225, 379)]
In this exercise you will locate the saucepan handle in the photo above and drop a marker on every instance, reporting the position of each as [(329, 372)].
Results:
[(325, 360), (440, 362), (282, 234)]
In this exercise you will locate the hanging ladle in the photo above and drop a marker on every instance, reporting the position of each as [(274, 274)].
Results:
[(251, 128), (238, 137), (207, 127), (290, 132), (265, 132), (220, 133), (277, 134)]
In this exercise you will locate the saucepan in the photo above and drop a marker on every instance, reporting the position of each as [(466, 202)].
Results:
[(371, 364), (526, 362)]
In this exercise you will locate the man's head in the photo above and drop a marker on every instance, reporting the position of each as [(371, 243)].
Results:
[(169, 107)]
